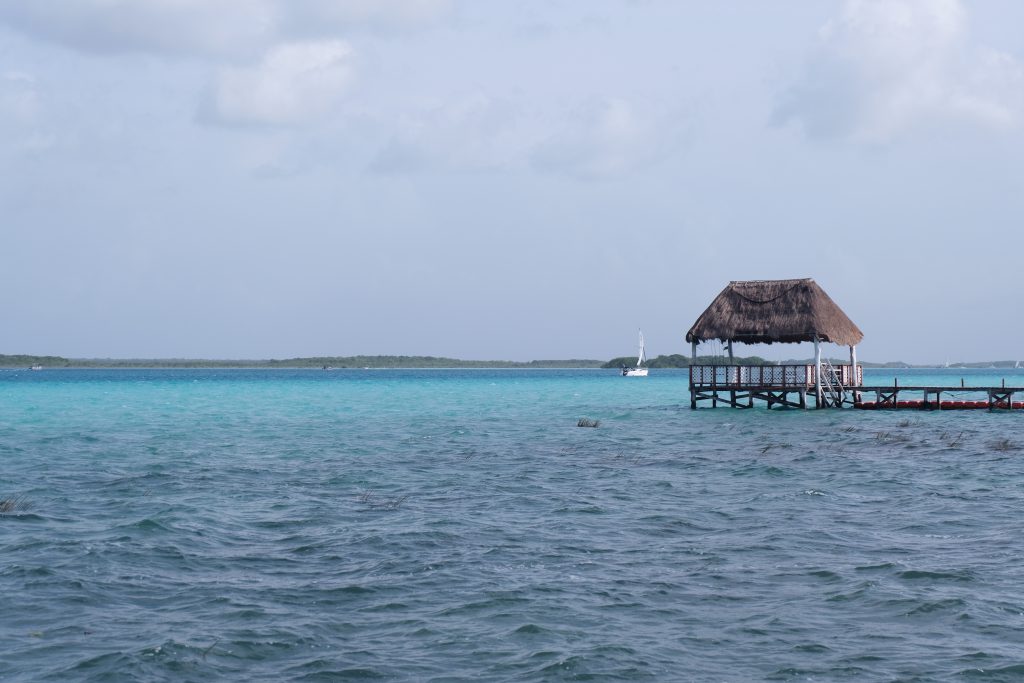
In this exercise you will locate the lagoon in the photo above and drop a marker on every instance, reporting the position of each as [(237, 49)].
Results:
[(458, 525)]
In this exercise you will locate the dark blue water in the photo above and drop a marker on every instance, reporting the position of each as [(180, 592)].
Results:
[(459, 526)]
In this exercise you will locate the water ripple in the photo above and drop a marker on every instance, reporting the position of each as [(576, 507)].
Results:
[(288, 526)]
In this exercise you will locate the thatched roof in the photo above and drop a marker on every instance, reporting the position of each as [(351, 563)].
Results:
[(768, 311)]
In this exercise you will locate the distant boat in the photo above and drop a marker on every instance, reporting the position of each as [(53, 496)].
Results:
[(638, 370), (37, 366), (1016, 366)]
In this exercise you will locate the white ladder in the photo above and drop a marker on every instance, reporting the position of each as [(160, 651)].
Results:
[(831, 384)]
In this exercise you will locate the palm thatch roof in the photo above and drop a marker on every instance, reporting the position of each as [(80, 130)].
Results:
[(769, 311)]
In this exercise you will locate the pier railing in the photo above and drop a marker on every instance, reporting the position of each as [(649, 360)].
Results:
[(765, 376)]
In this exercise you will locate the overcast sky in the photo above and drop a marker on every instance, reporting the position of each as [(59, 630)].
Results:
[(518, 180)]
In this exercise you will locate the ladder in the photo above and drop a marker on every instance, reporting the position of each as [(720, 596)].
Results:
[(832, 391)]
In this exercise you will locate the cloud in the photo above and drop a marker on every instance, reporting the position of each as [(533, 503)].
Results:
[(478, 132), (188, 27), (469, 132), (883, 66), (19, 99), (234, 29), (22, 130), (605, 138), (317, 16), (294, 83), (272, 62)]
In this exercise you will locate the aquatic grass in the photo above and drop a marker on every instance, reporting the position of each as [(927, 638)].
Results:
[(207, 650), (634, 459), (15, 504), (891, 437), (775, 445), (373, 502), (1002, 445), (952, 441)]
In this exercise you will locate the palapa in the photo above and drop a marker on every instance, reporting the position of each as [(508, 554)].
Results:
[(770, 311)]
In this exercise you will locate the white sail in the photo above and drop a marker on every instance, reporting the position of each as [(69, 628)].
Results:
[(641, 356)]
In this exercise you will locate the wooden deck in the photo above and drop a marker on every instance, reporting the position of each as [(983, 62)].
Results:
[(781, 376), (777, 385), (892, 396), (798, 386)]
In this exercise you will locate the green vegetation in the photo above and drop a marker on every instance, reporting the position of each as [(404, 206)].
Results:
[(376, 362), (420, 362), (846, 361), (674, 360), (992, 364), (23, 361), (677, 360)]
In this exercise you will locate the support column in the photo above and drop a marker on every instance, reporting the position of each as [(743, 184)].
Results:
[(855, 380), (693, 361), (732, 394), (817, 371)]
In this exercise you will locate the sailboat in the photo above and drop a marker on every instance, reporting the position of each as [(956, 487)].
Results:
[(638, 370)]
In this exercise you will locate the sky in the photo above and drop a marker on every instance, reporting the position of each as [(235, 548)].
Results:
[(504, 180)]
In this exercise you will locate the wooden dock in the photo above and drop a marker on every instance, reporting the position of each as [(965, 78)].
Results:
[(958, 398), (839, 386)]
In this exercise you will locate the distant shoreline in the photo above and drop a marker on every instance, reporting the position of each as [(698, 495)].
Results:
[(22, 361), (9, 368), (317, 362)]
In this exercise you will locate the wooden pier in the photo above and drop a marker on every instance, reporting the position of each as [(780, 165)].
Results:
[(798, 386), (797, 311), (770, 312), (958, 397), (777, 385)]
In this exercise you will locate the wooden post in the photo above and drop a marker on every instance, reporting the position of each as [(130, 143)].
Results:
[(855, 380), (732, 394), (693, 352), (817, 371)]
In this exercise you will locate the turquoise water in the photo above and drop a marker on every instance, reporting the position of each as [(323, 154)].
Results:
[(458, 526)]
